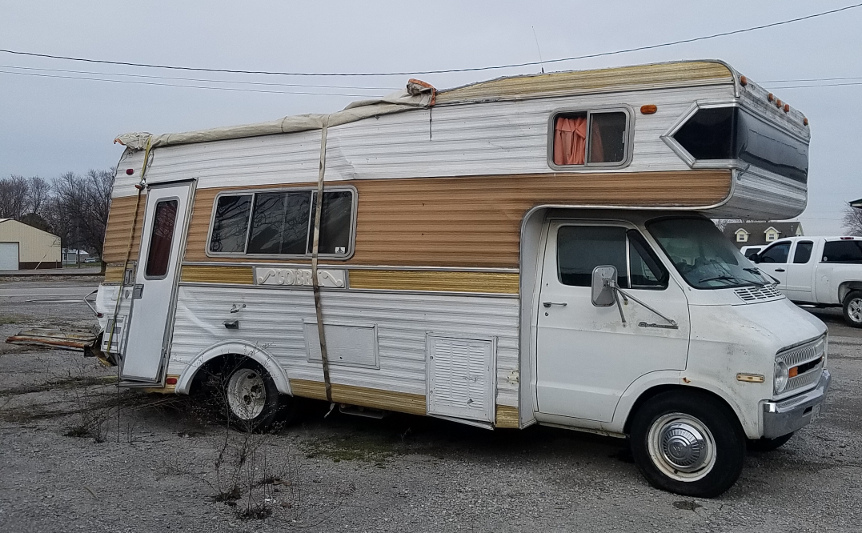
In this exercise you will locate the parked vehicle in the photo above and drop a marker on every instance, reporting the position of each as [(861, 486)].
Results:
[(528, 250), (749, 251), (821, 271)]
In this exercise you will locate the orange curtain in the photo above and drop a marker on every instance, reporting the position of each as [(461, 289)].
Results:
[(596, 150), (570, 140)]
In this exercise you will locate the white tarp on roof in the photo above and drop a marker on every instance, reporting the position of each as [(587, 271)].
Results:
[(417, 94)]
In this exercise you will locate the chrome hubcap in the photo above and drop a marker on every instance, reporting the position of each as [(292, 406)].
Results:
[(681, 446), (246, 394)]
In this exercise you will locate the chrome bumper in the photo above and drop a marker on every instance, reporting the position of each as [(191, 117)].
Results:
[(786, 416)]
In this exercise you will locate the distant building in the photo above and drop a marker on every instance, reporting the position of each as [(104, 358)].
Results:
[(760, 233), (73, 257), (24, 247)]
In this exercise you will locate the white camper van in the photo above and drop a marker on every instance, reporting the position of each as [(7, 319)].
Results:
[(527, 250)]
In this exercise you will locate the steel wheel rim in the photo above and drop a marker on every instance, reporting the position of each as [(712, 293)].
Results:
[(854, 310), (246, 394), (682, 447)]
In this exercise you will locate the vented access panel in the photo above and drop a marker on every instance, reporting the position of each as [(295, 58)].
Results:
[(461, 377)]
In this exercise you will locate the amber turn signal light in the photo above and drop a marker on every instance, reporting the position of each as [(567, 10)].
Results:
[(648, 109)]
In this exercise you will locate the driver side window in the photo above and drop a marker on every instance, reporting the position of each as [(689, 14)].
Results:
[(776, 254), (580, 249)]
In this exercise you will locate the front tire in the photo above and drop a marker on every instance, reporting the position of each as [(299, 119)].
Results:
[(690, 444), (853, 309)]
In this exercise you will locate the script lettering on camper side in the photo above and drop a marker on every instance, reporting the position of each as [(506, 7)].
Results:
[(298, 277)]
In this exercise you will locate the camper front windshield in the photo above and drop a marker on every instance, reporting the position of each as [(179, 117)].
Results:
[(703, 255)]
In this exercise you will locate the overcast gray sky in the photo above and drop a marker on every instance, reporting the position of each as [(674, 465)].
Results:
[(60, 115)]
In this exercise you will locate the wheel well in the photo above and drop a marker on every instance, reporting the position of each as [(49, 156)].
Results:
[(214, 371), (845, 288), (693, 392)]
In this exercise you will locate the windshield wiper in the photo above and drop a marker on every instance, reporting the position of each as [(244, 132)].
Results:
[(723, 277)]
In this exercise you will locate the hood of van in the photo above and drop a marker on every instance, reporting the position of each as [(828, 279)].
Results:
[(774, 325)]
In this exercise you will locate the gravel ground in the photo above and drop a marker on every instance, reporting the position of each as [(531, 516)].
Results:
[(76, 454)]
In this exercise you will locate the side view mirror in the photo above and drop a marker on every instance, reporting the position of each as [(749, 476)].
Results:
[(603, 280), (754, 258)]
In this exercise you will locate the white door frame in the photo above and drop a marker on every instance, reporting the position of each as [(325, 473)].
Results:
[(150, 323)]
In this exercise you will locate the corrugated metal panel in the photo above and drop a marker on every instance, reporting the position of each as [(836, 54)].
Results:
[(481, 139), (273, 320)]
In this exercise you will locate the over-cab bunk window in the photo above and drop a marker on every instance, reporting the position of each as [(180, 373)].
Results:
[(281, 223), (589, 138)]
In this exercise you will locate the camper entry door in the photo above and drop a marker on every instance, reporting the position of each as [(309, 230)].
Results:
[(162, 241)]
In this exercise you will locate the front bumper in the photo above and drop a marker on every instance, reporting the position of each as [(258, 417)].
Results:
[(786, 416)]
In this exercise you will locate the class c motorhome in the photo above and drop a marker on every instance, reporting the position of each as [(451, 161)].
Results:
[(526, 250)]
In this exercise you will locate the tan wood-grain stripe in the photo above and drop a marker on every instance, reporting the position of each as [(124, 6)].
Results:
[(476, 221), (419, 280), (238, 275), (401, 402), (507, 417), (120, 219)]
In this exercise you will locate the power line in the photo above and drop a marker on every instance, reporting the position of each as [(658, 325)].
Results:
[(206, 80), (233, 89), (442, 71)]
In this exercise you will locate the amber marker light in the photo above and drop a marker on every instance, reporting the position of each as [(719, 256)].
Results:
[(805, 121), (743, 81), (770, 97), (786, 108), (793, 372), (648, 109), (750, 378)]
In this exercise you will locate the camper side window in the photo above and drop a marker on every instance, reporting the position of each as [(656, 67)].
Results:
[(589, 138), (281, 223)]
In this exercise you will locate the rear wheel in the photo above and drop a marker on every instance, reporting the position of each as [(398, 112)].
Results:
[(688, 444), (853, 309), (251, 399)]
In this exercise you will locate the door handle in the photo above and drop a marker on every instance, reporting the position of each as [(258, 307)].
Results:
[(779, 270), (549, 304)]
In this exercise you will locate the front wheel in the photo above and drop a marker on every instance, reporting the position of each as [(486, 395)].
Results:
[(853, 309), (688, 444)]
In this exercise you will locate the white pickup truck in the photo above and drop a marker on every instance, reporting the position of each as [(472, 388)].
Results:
[(822, 271)]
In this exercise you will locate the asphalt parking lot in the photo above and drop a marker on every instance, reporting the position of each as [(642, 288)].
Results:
[(78, 454)]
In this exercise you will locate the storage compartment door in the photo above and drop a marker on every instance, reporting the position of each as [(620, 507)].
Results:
[(461, 377)]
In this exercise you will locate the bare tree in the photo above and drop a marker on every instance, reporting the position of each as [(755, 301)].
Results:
[(14, 202), (852, 220), (37, 195), (80, 208)]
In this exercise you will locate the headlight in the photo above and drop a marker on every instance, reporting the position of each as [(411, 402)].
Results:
[(781, 377)]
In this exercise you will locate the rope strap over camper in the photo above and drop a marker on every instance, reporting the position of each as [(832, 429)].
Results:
[(315, 284)]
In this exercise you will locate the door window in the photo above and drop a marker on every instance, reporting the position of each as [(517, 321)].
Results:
[(580, 249), (164, 220), (776, 254), (803, 251)]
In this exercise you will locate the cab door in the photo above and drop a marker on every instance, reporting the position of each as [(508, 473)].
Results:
[(154, 294), (773, 261), (586, 356)]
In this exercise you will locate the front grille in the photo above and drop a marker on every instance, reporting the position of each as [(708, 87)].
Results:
[(751, 294), (809, 358)]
